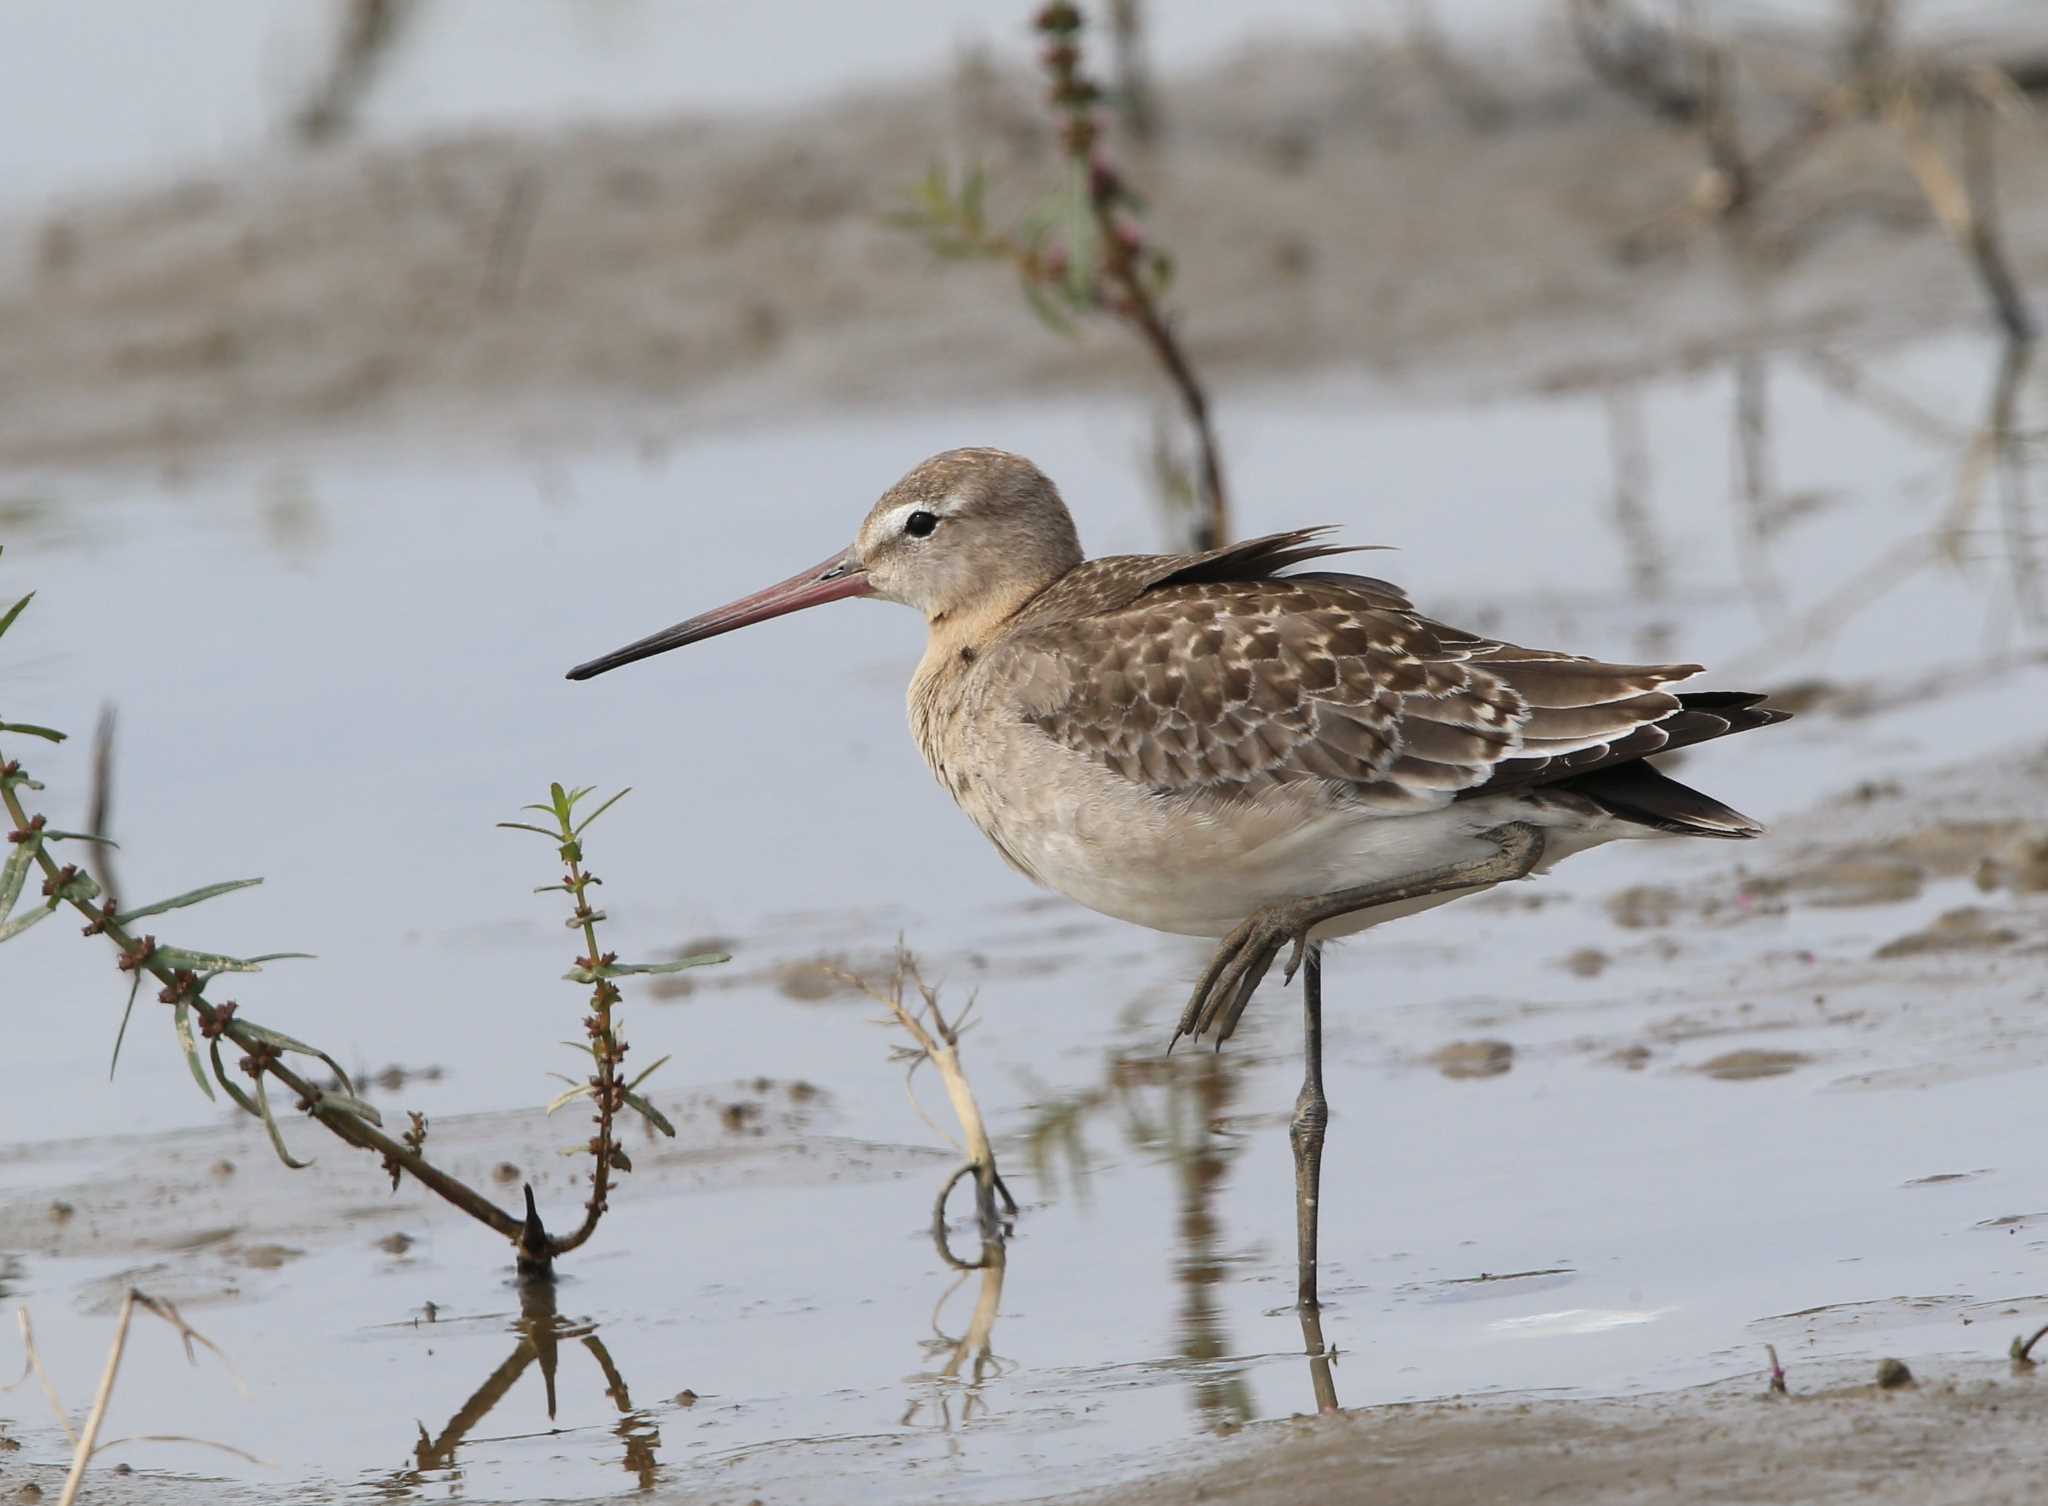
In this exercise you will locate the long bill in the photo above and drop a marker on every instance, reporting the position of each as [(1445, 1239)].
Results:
[(831, 580)]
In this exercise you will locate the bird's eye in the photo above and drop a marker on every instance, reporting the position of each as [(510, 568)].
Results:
[(920, 524)]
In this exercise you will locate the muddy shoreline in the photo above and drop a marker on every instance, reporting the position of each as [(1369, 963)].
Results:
[(1967, 1434), (1602, 1141), (1327, 208)]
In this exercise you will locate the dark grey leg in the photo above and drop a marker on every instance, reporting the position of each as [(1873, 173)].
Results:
[(1320, 1380), (1311, 1115), (1243, 956)]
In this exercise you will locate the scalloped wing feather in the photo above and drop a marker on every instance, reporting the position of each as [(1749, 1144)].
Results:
[(1211, 675)]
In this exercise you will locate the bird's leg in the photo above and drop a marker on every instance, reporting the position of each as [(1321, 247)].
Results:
[(1243, 957), (1311, 1114), (1319, 1377)]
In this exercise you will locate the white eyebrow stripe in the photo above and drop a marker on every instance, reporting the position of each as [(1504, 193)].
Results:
[(896, 517)]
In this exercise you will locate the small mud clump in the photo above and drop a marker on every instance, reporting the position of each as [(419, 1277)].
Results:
[(2020, 865), (1966, 930), (813, 980), (1586, 962), (266, 1257), (1644, 907), (1744, 1066), (1464, 1059)]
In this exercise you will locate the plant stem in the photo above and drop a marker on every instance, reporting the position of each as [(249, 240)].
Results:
[(604, 1086), (82, 1456), (1214, 527), (356, 1131)]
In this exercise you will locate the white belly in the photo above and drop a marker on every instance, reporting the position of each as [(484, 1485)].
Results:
[(1198, 869)]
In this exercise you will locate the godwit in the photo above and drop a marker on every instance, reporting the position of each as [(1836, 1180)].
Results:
[(1203, 745)]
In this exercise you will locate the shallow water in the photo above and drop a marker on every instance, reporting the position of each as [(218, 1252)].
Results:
[(310, 646)]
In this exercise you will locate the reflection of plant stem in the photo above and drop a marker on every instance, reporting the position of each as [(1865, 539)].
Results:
[(541, 1330), (1630, 454), (1755, 487), (636, 1434), (1997, 440), (1845, 379)]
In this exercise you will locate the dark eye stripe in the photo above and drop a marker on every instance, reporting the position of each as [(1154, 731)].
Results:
[(919, 524)]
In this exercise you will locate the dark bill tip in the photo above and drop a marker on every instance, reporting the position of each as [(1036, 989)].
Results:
[(831, 580)]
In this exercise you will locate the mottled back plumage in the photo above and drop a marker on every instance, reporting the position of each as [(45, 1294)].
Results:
[(1215, 675)]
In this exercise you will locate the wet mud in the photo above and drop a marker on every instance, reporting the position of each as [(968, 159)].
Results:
[(1596, 1142)]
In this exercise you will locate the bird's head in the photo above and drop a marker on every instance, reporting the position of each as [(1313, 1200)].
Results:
[(965, 533)]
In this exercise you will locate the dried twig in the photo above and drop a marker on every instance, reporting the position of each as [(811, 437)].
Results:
[(32, 1363), (938, 1042), (85, 1442)]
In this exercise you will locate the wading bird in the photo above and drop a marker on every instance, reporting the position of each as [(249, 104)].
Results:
[(1205, 745)]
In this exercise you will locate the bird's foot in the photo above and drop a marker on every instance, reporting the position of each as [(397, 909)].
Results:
[(1241, 962), (1244, 956)]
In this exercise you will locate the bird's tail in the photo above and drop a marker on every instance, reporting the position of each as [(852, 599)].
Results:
[(1636, 792)]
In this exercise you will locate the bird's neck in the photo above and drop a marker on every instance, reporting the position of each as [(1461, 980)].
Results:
[(956, 642), (961, 632)]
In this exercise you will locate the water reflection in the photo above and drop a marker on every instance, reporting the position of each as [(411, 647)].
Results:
[(541, 1332), (972, 1351), (1197, 1099), (1179, 1111), (1991, 453), (1320, 1358)]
